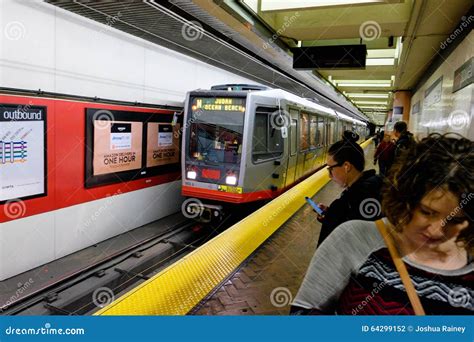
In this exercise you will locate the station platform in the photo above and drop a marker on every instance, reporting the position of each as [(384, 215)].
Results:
[(268, 281), (253, 268)]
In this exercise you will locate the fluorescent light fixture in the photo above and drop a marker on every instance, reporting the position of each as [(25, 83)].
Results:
[(379, 61), (362, 81), (364, 85), (368, 95), (373, 107), (279, 5), (381, 53), (372, 102)]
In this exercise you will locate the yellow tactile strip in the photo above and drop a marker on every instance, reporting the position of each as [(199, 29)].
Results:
[(181, 286)]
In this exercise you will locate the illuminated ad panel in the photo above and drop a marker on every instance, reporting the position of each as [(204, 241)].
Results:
[(117, 146), (162, 144), (123, 146), (22, 152)]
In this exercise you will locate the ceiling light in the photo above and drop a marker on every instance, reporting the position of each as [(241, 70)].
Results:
[(373, 102), (381, 53), (379, 61), (363, 85), (362, 81), (278, 5), (368, 95)]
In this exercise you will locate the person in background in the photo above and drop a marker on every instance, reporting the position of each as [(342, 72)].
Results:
[(430, 216), (384, 155), (350, 136), (377, 138), (404, 137), (345, 164)]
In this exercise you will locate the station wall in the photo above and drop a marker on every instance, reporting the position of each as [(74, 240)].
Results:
[(45, 47), (439, 108)]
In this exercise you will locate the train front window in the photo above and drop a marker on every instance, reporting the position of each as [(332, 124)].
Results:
[(216, 128)]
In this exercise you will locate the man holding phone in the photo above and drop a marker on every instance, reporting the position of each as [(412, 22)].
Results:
[(361, 197)]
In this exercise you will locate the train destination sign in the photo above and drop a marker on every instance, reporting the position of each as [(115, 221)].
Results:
[(226, 104)]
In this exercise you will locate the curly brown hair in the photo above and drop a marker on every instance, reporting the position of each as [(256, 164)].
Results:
[(437, 161)]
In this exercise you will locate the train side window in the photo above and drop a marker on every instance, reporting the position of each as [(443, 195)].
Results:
[(304, 130), (331, 132), (293, 136), (313, 129), (267, 140), (320, 140)]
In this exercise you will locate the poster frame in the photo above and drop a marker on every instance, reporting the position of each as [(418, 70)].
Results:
[(91, 181), (45, 153)]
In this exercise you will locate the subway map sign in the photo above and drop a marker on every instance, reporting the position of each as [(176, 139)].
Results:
[(22, 151)]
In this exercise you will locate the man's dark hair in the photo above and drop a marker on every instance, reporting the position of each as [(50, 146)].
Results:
[(442, 162), (348, 150), (350, 136), (400, 126)]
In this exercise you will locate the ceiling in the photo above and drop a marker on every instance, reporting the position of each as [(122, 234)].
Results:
[(402, 38), (254, 37), (207, 31)]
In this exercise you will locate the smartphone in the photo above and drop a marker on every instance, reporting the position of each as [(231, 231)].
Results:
[(315, 206)]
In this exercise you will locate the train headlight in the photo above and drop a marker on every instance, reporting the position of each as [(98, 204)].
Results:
[(191, 174), (231, 180)]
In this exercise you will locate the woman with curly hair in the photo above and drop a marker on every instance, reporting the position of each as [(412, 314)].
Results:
[(428, 199)]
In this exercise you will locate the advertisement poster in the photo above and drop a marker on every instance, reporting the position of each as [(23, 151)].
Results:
[(117, 146), (162, 144), (22, 151)]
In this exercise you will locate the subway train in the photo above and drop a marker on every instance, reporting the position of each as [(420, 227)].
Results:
[(244, 143)]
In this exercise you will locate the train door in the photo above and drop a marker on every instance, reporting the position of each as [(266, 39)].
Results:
[(320, 157), (267, 158), (331, 131), (303, 144), (293, 148)]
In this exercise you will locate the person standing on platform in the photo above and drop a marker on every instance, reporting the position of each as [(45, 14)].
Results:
[(420, 259), (404, 137), (384, 155), (377, 138), (345, 164)]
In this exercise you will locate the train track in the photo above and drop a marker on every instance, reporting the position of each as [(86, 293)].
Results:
[(90, 289)]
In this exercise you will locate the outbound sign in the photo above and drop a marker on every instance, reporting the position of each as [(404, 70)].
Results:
[(22, 151)]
